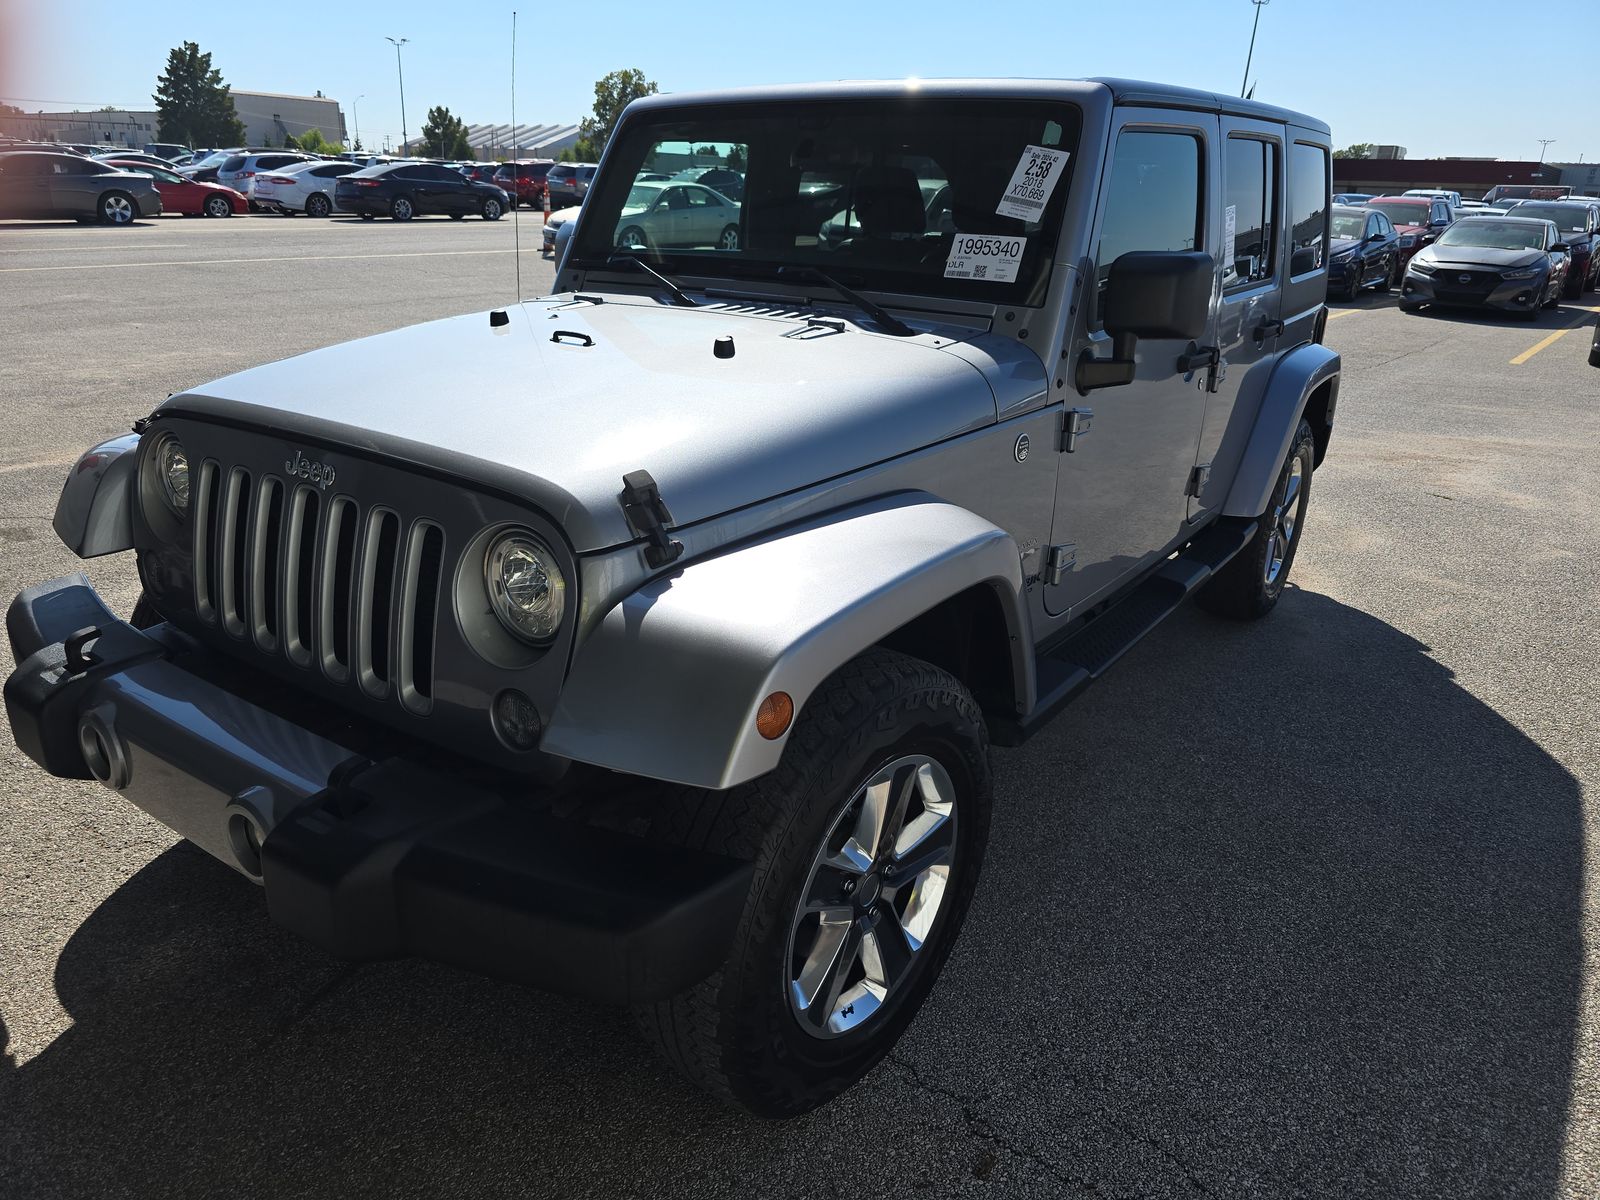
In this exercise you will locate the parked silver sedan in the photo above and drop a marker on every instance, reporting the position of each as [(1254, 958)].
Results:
[(677, 214), (49, 186)]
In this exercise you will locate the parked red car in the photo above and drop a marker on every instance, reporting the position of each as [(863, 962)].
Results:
[(188, 196), (1419, 220), (529, 186)]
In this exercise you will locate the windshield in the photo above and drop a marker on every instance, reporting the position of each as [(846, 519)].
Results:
[(1403, 212), (1571, 218), (1498, 235), (1348, 225), (954, 198)]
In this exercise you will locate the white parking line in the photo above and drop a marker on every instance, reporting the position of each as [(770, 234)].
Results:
[(217, 262), (5, 249)]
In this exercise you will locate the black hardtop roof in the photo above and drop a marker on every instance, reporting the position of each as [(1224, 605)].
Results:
[(1123, 91)]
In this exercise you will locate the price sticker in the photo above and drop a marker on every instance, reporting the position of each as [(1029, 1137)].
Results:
[(1032, 182)]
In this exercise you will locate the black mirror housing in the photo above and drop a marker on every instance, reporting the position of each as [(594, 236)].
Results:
[(1560, 248), (1159, 294)]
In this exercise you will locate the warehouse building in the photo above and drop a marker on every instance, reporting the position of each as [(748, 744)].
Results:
[(492, 143), (1472, 177), (269, 117)]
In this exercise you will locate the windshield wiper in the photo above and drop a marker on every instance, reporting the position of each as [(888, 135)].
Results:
[(885, 319), (679, 296)]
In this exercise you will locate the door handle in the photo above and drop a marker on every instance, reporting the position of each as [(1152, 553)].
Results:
[(1197, 357), (1268, 329)]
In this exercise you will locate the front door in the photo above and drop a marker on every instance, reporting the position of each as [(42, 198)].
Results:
[(1121, 494)]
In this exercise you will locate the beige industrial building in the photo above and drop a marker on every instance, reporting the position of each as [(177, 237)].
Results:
[(268, 118)]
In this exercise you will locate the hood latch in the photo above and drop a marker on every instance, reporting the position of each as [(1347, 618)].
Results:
[(648, 517)]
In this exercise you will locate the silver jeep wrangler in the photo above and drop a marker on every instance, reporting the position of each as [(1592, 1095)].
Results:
[(671, 683)]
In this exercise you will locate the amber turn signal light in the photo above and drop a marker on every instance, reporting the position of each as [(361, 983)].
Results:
[(774, 715)]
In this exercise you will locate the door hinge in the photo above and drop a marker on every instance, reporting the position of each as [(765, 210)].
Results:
[(1074, 425), (1198, 478), (1059, 562)]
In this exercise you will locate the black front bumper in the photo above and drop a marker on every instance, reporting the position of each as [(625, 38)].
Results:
[(367, 856)]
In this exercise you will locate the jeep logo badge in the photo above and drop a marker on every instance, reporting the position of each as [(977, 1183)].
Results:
[(321, 474), (1020, 452)]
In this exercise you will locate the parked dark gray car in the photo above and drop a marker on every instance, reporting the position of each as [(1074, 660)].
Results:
[(1514, 264), (48, 186), (667, 676)]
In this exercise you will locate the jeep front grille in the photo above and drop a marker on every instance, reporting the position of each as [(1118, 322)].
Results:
[(293, 572)]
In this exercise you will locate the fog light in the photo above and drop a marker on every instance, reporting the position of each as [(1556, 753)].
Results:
[(516, 720)]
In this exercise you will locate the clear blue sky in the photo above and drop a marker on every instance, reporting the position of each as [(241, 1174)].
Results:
[(1427, 89)]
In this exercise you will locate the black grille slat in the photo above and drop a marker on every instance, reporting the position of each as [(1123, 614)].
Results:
[(337, 578), (418, 607), (233, 533), (380, 556), (300, 574), (266, 564)]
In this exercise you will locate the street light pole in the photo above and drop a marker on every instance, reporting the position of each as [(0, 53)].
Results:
[(1544, 144), (356, 107), (1254, 26), (398, 42)]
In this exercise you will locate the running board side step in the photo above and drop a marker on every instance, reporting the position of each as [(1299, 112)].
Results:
[(1066, 669)]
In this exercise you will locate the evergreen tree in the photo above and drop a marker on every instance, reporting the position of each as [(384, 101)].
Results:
[(445, 135), (194, 106)]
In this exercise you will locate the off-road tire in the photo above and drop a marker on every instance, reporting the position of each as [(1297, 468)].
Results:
[(734, 1035), (1240, 590)]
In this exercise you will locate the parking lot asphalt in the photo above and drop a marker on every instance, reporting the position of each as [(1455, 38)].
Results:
[(1307, 907)]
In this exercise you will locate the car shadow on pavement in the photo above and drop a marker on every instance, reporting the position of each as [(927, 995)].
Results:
[(1276, 909)]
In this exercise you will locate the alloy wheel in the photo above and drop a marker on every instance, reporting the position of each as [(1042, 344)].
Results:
[(117, 209), (876, 886), (1285, 522), (217, 206)]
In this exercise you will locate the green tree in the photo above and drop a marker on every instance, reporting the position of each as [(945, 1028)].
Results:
[(1359, 150), (193, 105), (444, 135), (313, 142), (611, 95)]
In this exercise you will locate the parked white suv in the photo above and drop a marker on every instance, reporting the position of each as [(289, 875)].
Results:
[(239, 172)]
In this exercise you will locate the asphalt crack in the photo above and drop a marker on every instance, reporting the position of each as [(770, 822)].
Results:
[(982, 1128)]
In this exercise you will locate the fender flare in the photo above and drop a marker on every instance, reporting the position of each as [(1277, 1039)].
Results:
[(94, 514), (1297, 375), (668, 684)]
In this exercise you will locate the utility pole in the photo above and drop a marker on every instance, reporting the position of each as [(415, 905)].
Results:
[(1544, 144), (1254, 26), (398, 42), (356, 106)]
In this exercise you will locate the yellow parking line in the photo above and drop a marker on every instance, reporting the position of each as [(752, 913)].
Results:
[(1548, 341), (1336, 313)]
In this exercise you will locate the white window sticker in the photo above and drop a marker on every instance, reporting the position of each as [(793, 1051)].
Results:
[(1032, 182), (1230, 224), (977, 256)]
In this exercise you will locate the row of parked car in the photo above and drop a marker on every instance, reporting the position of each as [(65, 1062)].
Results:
[(1516, 255)]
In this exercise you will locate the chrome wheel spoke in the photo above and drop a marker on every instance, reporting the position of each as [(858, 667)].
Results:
[(816, 988), (885, 952), (935, 850)]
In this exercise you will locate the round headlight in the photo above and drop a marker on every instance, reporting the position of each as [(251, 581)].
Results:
[(172, 468), (526, 588)]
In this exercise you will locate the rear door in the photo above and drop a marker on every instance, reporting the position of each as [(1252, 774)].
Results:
[(1250, 316), (1121, 500)]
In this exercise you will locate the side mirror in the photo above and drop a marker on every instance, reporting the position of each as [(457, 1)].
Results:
[(1374, 237), (1151, 294), (1560, 248)]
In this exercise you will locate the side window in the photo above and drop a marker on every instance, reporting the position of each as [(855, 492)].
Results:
[(1308, 208), (1251, 169), (1153, 198), (701, 198)]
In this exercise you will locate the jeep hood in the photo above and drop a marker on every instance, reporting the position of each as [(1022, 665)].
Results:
[(567, 397)]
